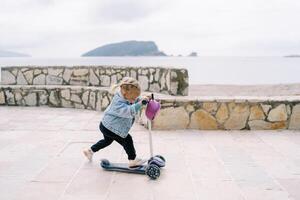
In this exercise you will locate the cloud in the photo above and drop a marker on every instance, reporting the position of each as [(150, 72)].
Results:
[(215, 27)]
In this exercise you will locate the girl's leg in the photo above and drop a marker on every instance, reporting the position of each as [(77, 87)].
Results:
[(102, 143), (128, 146)]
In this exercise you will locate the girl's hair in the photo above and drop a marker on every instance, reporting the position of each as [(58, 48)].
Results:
[(127, 84)]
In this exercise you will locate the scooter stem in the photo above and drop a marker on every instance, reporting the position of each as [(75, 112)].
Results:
[(150, 137)]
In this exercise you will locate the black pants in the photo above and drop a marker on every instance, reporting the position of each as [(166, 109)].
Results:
[(109, 137)]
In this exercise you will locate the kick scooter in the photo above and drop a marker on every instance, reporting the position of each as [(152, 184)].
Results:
[(152, 168)]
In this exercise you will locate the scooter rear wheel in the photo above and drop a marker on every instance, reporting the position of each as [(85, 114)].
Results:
[(153, 171)]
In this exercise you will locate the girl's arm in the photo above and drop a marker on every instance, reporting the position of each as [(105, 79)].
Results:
[(121, 109)]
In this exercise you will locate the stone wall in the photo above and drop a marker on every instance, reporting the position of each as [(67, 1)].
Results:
[(93, 98), (228, 114), (154, 79), (176, 113)]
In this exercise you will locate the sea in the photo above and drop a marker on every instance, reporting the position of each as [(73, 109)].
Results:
[(202, 70)]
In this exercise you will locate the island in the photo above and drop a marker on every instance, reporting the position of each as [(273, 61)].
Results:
[(127, 48), (193, 54), (12, 54), (293, 56)]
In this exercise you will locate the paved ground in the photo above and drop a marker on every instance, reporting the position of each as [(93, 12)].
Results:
[(40, 158)]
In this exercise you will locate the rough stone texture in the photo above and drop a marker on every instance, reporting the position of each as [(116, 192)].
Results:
[(105, 80), (93, 79), (222, 113), (10, 97), (75, 98), (80, 72), (143, 80), (66, 94), (153, 79), (92, 100), (55, 71), (266, 108), (154, 87), (53, 80), (66, 103), (295, 118), (238, 117), (263, 125), (7, 78), (105, 102), (53, 98), (29, 76), (178, 113), (171, 118), (67, 74), (31, 99), (39, 80), (256, 113), (201, 119), (210, 107), (2, 97), (21, 79), (278, 114), (85, 97)]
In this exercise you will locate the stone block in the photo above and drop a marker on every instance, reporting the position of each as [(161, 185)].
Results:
[(222, 113), (295, 118), (39, 80), (67, 74), (7, 78), (210, 107), (29, 76), (80, 72), (238, 117), (75, 98), (21, 79), (144, 83), (278, 114), (201, 119), (171, 118), (2, 98), (256, 113), (93, 79), (53, 98), (53, 80), (65, 94), (31, 99), (105, 80), (10, 97), (53, 71)]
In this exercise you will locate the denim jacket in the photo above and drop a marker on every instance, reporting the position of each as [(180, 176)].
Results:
[(119, 115)]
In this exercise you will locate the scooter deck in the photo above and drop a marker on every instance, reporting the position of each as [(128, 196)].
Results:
[(122, 167)]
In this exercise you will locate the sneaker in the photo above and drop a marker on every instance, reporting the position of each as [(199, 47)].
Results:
[(136, 163), (88, 153)]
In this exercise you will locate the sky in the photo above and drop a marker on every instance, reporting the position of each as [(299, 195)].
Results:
[(69, 28)]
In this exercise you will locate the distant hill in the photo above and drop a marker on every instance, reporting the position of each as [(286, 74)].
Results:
[(12, 54), (127, 48), (293, 56), (193, 54)]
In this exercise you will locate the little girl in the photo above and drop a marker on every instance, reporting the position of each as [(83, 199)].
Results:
[(118, 119)]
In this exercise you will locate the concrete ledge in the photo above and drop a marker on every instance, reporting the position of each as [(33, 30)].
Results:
[(171, 81)]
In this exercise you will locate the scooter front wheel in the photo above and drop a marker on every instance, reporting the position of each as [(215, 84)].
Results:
[(153, 171)]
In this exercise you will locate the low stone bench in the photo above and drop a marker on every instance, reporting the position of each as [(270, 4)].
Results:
[(205, 113), (84, 97), (228, 113), (173, 81)]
